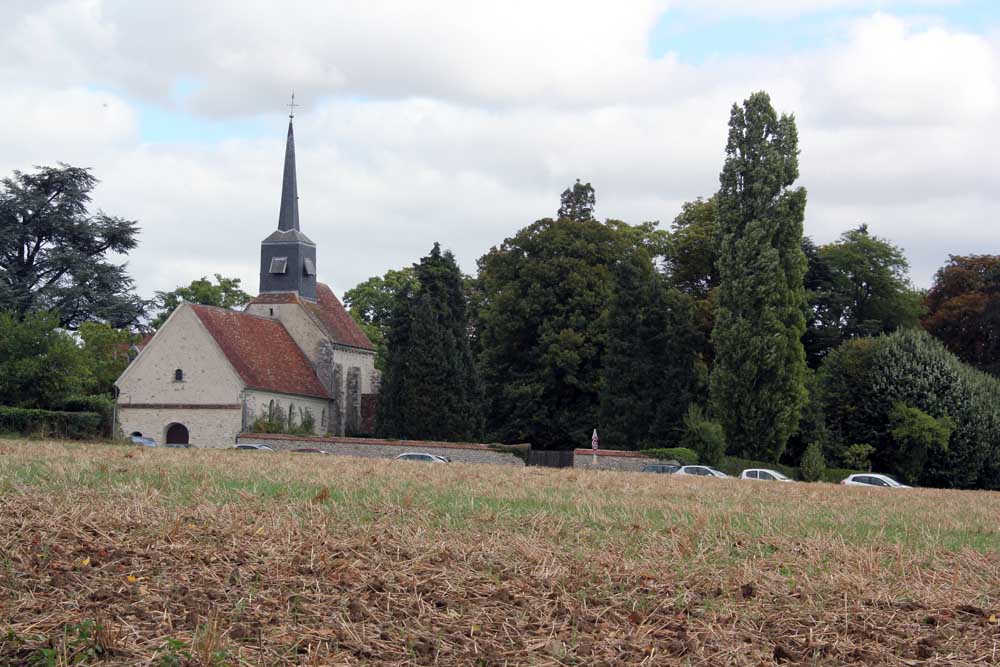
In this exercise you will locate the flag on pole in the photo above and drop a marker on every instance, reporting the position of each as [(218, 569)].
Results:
[(594, 440)]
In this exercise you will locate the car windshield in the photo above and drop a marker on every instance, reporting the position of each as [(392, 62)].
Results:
[(777, 474), (889, 480)]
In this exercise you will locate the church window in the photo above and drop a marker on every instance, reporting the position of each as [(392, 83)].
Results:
[(322, 419), (291, 413), (279, 265), (309, 267), (178, 375), (270, 410)]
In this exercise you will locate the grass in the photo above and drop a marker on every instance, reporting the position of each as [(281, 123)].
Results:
[(132, 556)]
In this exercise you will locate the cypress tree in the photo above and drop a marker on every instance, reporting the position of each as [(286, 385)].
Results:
[(649, 362), (431, 390), (757, 382)]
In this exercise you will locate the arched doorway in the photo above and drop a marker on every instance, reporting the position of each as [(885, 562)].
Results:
[(177, 434)]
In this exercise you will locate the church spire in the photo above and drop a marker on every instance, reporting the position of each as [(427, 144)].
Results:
[(288, 216), (287, 256)]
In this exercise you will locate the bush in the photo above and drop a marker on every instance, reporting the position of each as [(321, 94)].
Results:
[(101, 405), (835, 475), (859, 456), (917, 435), (704, 436), (683, 455), (813, 464), (50, 423)]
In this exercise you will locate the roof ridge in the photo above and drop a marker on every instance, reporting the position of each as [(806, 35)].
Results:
[(231, 310)]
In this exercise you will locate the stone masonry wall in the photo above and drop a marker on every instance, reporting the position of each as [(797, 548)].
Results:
[(387, 449), (610, 459), (210, 428)]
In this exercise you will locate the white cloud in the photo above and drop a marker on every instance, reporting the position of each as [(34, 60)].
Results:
[(461, 123)]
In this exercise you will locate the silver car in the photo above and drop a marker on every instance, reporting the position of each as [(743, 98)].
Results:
[(873, 479), (420, 456), (701, 471)]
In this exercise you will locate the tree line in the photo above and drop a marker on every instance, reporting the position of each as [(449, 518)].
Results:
[(729, 332)]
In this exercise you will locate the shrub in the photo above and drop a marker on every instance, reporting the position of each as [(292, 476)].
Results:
[(704, 436), (101, 405), (682, 455), (813, 464), (917, 435), (50, 423), (859, 456)]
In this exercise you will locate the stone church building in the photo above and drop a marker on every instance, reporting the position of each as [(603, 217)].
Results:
[(293, 353)]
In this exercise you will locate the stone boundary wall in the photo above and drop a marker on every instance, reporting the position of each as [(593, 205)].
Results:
[(610, 459), (459, 452)]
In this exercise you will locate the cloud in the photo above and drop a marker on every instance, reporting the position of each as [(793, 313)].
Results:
[(454, 123)]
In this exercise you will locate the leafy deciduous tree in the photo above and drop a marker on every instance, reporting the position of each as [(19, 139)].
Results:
[(542, 326), (40, 365), (224, 293), (964, 309)]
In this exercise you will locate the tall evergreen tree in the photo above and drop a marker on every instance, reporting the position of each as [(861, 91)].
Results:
[(757, 381), (431, 390), (649, 363), (577, 202)]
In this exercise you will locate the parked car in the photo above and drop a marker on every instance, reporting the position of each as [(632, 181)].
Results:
[(666, 467), (309, 450), (420, 456), (257, 448), (700, 471), (178, 445), (765, 474), (139, 440), (873, 479)]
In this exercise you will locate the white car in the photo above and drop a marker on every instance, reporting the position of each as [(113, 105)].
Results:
[(764, 474), (420, 456), (700, 471), (872, 479), (256, 448)]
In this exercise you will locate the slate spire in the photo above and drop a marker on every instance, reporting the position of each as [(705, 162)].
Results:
[(288, 216), (287, 256)]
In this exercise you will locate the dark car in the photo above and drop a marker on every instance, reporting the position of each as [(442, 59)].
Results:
[(667, 467)]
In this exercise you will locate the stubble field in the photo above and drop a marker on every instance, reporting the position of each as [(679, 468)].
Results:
[(117, 555)]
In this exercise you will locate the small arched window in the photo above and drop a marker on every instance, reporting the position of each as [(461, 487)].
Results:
[(178, 375), (270, 410)]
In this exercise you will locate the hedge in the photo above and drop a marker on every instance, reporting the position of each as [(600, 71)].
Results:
[(683, 455), (51, 423), (102, 405)]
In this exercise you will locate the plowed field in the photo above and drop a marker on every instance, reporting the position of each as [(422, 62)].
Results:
[(113, 555)]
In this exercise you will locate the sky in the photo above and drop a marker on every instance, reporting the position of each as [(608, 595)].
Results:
[(462, 121)]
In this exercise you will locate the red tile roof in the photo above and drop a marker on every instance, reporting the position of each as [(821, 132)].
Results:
[(328, 312), (339, 324), (261, 351)]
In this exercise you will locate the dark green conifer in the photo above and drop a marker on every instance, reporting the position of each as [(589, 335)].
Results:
[(757, 381)]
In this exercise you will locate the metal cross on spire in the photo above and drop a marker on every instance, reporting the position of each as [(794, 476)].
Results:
[(291, 107)]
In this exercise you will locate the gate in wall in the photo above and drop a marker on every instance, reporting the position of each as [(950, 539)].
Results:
[(551, 458)]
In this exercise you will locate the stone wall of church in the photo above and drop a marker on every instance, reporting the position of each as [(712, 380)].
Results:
[(182, 344), (208, 427), (258, 403)]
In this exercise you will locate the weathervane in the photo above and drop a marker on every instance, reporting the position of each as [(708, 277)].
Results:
[(291, 107)]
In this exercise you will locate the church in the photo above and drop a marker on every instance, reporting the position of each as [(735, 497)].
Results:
[(293, 356)]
